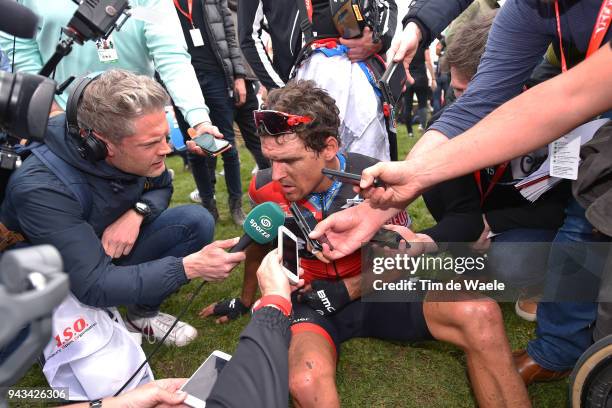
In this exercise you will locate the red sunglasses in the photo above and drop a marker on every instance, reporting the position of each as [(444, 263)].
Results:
[(278, 123)]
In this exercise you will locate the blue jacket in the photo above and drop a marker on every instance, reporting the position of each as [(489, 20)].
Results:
[(45, 211)]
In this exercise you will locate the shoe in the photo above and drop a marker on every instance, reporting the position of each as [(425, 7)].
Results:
[(195, 196), (238, 215), (171, 172), (255, 170), (527, 308), (531, 372), (155, 328)]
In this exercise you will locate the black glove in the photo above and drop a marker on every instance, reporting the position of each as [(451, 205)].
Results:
[(232, 308), (326, 297)]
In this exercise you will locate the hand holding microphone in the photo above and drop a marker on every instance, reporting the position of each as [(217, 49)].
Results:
[(214, 263)]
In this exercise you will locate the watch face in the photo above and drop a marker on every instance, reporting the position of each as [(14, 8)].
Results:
[(142, 208)]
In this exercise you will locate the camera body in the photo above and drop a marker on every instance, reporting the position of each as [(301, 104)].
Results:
[(95, 19)]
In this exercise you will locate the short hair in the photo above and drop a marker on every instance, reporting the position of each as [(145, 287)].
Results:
[(307, 99), (464, 51), (112, 102)]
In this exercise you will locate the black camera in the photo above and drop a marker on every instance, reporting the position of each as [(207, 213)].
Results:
[(25, 100), (95, 19)]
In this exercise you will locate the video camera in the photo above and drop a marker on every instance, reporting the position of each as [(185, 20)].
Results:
[(25, 99)]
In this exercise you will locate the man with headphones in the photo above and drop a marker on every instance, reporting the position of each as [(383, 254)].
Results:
[(98, 191)]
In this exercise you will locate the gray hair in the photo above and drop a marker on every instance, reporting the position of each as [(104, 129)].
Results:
[(112, 102), (468, 44)]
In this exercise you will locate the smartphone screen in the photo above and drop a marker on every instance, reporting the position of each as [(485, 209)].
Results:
[(203, 380), (290, 256), (211, 144), (397, 80)]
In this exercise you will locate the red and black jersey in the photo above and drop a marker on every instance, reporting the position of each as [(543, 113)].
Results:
[(263, 188)]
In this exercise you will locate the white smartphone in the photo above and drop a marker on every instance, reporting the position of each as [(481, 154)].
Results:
[(288, 250), (201, 383)]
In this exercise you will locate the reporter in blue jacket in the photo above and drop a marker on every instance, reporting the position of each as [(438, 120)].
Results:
[(128, 248)]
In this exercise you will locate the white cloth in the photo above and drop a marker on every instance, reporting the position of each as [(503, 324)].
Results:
[(97, 355), (362, 127)]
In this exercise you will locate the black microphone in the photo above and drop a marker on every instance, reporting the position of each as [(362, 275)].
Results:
[(17, 20), (261, 225)]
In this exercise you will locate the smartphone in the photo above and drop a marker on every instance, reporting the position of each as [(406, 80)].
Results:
[(288, 250), (392, 82), (201, 383), (211, 144), (349, 178), (306, 225)]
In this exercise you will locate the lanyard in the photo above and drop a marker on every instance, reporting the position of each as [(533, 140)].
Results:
[(325, 199), (599, 30), (499, 172), (189, 15)]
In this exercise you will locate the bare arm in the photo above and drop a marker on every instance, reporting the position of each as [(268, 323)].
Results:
[(562, 103), (254, 255)]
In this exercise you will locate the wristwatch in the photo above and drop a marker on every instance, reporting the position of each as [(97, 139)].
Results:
[(142, 209), (95, 404)]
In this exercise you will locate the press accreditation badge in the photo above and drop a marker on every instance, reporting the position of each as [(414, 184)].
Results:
[(196, 37), (564, 156), (107, 53)]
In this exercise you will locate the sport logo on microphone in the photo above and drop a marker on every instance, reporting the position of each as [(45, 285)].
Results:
[(265, 223)]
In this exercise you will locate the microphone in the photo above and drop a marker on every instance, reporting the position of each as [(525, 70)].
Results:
[(261, 225), (17, 20)]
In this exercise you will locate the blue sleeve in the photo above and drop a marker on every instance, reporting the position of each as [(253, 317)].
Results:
[(157, 195), (517, 42), (47, 213)]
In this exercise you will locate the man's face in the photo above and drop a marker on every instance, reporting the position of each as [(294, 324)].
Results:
[(459, 82), (297, 169), (142, 153)]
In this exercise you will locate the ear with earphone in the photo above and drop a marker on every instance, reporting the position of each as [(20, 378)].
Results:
[(90, 147)]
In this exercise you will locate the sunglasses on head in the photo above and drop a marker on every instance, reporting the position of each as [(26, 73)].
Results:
[(278, 123)]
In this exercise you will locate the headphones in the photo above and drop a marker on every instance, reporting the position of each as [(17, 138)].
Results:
[(89, 147)]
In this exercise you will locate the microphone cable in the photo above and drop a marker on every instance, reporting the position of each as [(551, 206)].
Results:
[(161, 342)]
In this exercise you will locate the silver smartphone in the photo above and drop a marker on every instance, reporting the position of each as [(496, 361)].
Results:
[(201, 383)]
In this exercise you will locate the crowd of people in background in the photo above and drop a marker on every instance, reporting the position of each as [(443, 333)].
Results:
[(490, 85)]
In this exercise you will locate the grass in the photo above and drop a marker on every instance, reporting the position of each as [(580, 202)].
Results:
[(371, 373)]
